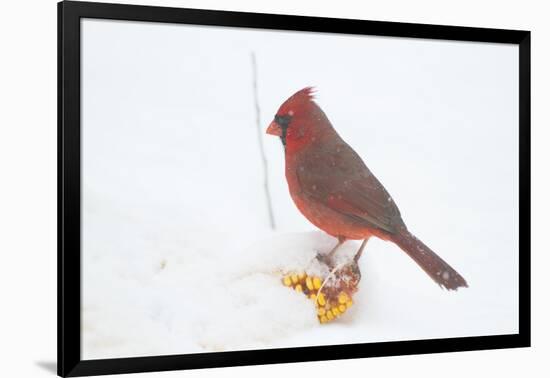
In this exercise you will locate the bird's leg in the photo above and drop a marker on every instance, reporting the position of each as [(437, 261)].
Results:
[(351, 270), (327, 258), (333, 250), (360, 250)]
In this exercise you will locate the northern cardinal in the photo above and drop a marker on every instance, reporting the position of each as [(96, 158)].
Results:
[(333, 188)]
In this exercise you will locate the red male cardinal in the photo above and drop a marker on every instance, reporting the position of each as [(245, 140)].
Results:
[(333, 188)]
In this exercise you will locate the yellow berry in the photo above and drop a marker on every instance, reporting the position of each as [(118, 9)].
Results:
[(342, 308), (294, 278), (312, 296), (321, 311), (349, 303), (342, 298), (335, 311), (323, 319), (298, 288), (316, 283), (309, 283), (330, 316), (321, 299), (287, 281)]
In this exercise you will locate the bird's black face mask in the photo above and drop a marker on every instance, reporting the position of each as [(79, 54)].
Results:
[(283, 122)]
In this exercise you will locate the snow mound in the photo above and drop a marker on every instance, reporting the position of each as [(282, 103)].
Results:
[(204, 302)]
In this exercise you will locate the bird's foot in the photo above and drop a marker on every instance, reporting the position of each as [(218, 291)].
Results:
[(325, 259)]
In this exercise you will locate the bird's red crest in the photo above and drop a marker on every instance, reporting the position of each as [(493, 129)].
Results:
[(306, 94), (302, 97)]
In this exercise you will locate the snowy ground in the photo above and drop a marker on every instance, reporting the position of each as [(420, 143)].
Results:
[(177, 252)]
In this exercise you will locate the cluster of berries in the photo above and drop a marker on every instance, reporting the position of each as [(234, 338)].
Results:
[(329, 304)]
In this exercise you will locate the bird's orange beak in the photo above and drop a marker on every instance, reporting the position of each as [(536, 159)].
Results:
[(274, 129)]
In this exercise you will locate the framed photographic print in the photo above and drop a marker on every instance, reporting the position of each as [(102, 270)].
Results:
[(239, 188)]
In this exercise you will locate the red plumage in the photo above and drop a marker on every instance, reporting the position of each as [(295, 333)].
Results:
[(333, 188)]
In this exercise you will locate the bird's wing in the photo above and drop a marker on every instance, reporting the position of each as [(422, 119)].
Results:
[(335, 176)]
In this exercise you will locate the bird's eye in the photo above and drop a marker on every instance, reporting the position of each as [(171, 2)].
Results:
[(283, 120)]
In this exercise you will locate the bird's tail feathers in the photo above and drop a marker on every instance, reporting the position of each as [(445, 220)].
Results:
[(441, 272)]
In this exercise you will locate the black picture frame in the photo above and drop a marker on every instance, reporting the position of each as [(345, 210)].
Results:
[(69, 197)]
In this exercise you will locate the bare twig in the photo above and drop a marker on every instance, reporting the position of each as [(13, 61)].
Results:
[(260, 142)]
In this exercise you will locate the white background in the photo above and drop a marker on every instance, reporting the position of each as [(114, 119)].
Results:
[(172, 178), (28, 156)]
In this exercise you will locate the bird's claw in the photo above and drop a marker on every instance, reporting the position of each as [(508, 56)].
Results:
[(325, 260)]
